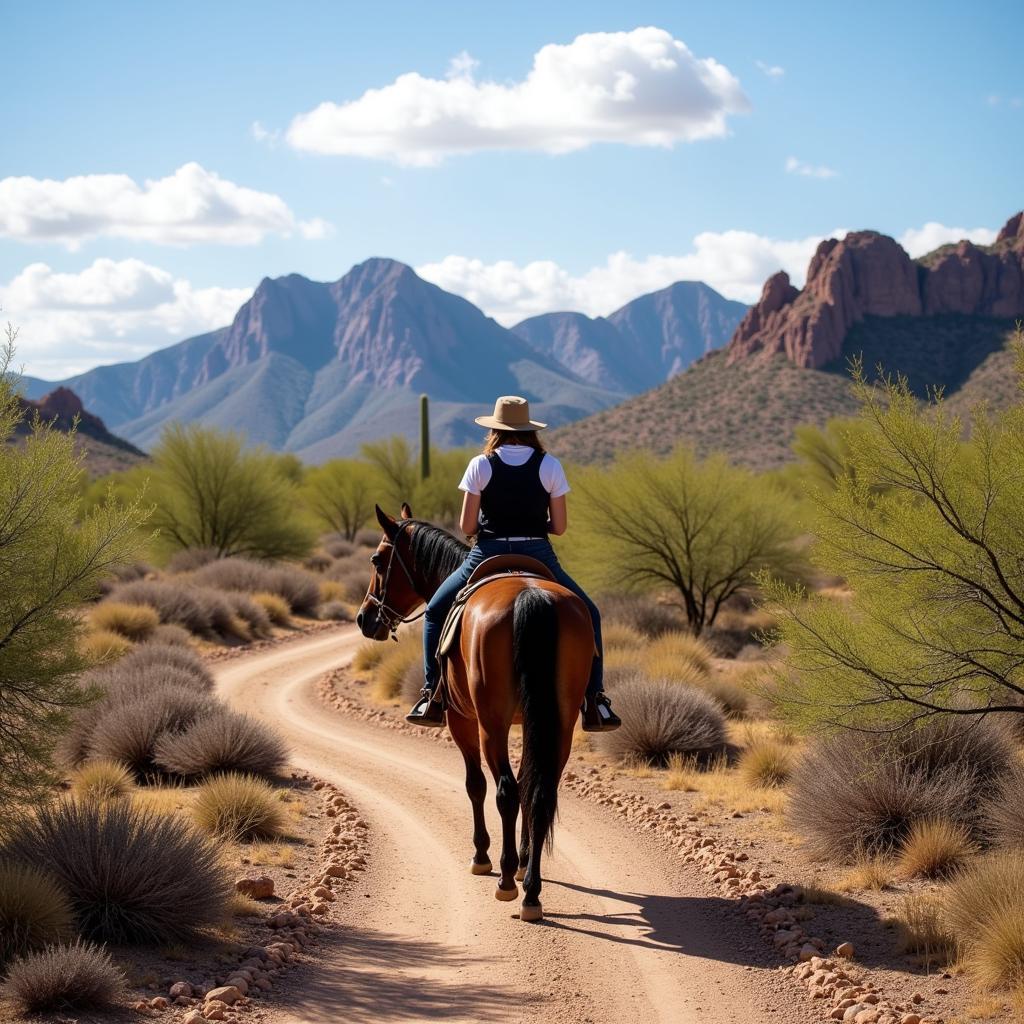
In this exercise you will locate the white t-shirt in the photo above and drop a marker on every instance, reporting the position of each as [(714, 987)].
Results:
[(478, 472)]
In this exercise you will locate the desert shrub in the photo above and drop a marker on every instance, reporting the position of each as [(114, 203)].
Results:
[(367, 538), (134, 621), (169, 635), (934, 848), (190, 559), (73, 976), (238, 807), (251, 612), (661, 718), (923, 930), (276, 607), (336, 611), (317, 562), (387, 683), (154, 657), (102, 780), (174, 601), (412, 681), (985, 906), (100, 646), (352, 575), (337, 547), (620, 636), (220, 742), (131, 876), (34, 911), (330, 590), (766, 762), (123, 574), (682, 654), (128, 729), (640, 612), (298, 587), (735, 700), (859, 794), (1004, 811), (368, 655)]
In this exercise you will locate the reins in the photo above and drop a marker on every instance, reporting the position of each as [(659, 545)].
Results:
[(392, 618)]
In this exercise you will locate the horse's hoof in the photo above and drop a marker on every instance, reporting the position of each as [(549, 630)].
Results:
[(480, 869), (507, 895), (531, 913), (520, 874)]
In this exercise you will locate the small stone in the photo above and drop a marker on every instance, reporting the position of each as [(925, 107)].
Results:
[(159, 1003), (236, 981), (215, 1011), (260, 887), (193, 1017), (917, 997), (910, 1018), (227, 994), (845, 950), (851, 1011), (807, 951), (180, 988)]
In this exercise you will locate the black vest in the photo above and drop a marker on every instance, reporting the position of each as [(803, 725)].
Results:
[(514, 503)]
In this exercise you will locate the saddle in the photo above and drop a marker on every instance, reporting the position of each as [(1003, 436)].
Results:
[(499, 567)]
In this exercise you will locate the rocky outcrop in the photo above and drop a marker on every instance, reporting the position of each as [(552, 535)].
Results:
[(869, 274), (63, 409)]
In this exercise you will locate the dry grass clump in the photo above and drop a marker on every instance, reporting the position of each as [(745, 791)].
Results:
[(297, 586), (985, 906), (317, 562), (935, 848), (858, 794), (277, 608), (238, 807), (102, 780), (169, 635), (1004, 811), (147, 660), (223, 741), (331, 590), (641, 612), (75, 976), (131, 876), (128, 730), (100, 646), (134, 621), (174, 602), (662, 718), (735, 700), (766, 762), (190, 559), (874, 873), (923, 931), (621, 636), (688, 651), (337, 546), (392, 667), (250, 612), (336, 611), (34, 911), (719, 785), (368, 655)]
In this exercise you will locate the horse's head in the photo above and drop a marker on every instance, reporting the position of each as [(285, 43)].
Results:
[(390, 597)]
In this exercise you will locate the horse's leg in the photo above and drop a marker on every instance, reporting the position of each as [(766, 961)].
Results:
[(466, 734), (524, 848), (496, 752)]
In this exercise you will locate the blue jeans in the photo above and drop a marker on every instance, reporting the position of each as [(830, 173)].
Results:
[(444, 598)]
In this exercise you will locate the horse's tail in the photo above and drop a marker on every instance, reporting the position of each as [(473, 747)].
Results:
[(534, 655)]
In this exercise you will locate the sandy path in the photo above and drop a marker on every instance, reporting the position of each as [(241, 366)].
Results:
[(425, 940)]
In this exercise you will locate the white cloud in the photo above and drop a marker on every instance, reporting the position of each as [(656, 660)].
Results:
[(918, 241), (771, 70), (640, 88), (110, 311), (735, 263), (806, 170), (190, 205)]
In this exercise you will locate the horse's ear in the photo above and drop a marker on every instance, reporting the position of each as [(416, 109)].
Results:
[(406, 511), (387, 524)]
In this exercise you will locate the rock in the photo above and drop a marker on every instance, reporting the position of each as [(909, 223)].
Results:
[(193, 1017), (258, 888), (845, 950), (868, 1016), (215, 1011), (917, 997), (910, 1018), (159, 1003), (180, 988), (851, 1011), (227, 994), (238, 982), (807, 951)]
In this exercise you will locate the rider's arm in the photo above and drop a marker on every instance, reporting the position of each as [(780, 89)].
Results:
[(469, 520), (559, 516)]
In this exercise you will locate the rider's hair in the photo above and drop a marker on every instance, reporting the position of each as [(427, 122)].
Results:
[(496, 438)]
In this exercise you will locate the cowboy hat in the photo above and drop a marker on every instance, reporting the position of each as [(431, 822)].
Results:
[(510, 413)]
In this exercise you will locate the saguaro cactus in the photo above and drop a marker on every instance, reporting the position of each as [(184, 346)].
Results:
[(424, 437)]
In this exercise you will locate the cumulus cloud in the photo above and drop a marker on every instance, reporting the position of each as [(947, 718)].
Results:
[(191, 205), (110, 311), (735, 263), (771, 70), (806, 170), (918, 241), (640, 88)]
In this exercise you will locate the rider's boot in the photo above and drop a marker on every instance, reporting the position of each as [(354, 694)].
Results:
[(597, 713), (426, 711)]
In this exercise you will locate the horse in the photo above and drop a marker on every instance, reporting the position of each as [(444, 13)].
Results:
[(524, 656)]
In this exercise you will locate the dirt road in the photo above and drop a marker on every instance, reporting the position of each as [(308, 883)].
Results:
[(627, 935)]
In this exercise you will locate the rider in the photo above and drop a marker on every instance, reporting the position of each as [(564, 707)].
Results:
[(514, 497)]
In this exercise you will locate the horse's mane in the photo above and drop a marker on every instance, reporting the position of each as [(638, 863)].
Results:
[(435, 552)]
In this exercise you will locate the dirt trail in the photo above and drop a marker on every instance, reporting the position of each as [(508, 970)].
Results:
[(626, 937)]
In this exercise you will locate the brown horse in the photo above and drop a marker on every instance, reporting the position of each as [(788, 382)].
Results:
[(524, 655)]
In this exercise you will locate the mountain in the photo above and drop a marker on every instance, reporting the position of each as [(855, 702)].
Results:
[(317, 368), (943, 319), (104, 452), (642, 344)]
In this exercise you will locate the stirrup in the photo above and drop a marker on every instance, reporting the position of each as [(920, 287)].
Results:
[(428, 710), (598, 715)]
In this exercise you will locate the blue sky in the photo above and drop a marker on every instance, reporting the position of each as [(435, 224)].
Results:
[(888, 116)]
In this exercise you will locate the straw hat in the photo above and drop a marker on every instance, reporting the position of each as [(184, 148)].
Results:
[(510, 413)]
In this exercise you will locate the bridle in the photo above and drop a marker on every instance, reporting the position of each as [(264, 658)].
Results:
[(390, 617)]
